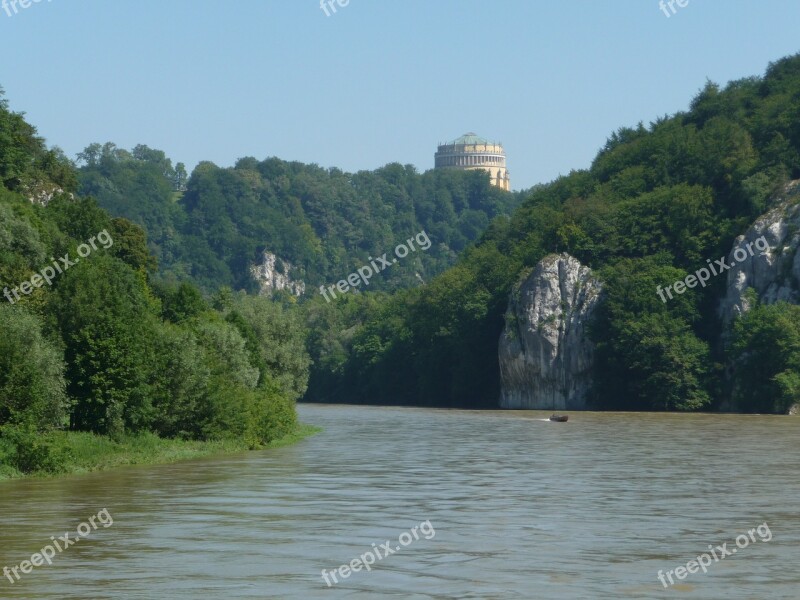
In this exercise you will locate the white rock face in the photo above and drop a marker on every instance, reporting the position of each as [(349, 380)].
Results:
[(270, 279), (43, 193), (545, 354), (773, 273)]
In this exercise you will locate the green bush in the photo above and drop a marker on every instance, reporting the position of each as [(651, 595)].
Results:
[(28, 451), (765, 352), (275, 415), (31, 372)]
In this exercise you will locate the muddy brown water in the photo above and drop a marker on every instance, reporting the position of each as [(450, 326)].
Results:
[(521, 508)]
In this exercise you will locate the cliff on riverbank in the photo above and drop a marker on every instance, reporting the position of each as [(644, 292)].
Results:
[(544, 352)]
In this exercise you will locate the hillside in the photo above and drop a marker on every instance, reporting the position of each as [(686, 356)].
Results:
[(321, 224)]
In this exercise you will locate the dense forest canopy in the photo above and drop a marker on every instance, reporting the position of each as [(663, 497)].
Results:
[(323, 222)]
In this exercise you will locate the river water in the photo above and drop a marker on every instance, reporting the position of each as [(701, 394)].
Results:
[(518, 508)]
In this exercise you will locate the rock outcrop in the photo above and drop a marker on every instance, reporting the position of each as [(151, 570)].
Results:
[(772, 270), (273, 275), (43, 193), (545, 354)]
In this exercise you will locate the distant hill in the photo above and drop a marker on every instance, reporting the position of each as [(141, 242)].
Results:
[(323, 222)]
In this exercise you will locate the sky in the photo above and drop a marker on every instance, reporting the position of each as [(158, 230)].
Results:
[(376, 81)]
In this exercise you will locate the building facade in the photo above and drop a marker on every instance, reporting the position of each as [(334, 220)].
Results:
[(470, 152)]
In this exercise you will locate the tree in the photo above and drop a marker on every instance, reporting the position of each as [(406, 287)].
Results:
[(280, 335), (765, 355), (130, 246), (181, 303), (106, 316), (32, 388), (647, 356)]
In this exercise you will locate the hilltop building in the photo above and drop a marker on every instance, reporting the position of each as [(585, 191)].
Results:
[(470, 152)]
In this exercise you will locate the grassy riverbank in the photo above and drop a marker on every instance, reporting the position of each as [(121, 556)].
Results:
[(71, 452)]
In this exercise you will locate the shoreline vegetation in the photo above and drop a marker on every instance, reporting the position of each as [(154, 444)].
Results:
[(83, 452), (111, 363)]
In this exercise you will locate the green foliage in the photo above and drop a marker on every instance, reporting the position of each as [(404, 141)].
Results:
[(19, 239), (251, 343), (32, 388), (423, 346), (646, 354), (178, 391), (23, 245), (276, 341), (130, 245), (226, 352), (323, 222), (106, 317), (274, 416), (657, 201), (138, 186), (765, 351), (180, 302), (80, 218), (208, 388), (26, 450), (100, 350), (25, 162)]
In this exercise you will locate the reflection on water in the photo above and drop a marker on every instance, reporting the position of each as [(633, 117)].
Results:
[(522, 508)]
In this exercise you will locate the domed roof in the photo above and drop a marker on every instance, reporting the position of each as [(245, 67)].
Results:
[(470, 139)]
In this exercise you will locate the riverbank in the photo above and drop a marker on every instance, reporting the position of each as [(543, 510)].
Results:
[(72, 452)]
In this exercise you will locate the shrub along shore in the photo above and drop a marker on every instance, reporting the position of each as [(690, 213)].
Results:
[(74, 452)]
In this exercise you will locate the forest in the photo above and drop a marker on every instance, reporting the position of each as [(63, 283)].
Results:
[(211, 227)]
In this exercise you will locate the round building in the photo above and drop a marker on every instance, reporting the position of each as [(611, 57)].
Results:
[(470, 152)]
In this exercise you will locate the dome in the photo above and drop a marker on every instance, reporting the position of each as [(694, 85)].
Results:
[(470, 139)]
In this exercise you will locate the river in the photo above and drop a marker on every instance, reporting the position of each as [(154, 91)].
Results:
[(506, 505)]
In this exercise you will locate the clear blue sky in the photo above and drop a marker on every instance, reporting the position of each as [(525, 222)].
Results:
[(379, 81)]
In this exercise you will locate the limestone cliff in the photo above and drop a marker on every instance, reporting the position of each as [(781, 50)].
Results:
[(273, 274), (774, 271), (43, 193), (545, 355)]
